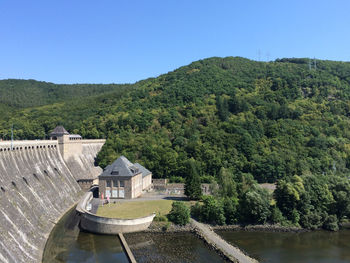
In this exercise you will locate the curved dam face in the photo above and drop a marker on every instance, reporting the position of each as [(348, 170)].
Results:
[(37, 188), (81, 162)]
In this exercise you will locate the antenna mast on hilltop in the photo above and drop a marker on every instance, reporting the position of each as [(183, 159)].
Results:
[(315, 63), (312, 65)]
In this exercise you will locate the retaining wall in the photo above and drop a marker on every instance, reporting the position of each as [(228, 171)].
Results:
[(102, 225)]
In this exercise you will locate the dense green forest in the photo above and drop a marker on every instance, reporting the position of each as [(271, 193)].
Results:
[(17, 93), (271, 120)]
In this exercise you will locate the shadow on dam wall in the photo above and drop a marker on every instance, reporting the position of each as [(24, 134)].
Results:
[(82, 164), (36, 189)]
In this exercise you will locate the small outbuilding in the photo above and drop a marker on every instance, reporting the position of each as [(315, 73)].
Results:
[(123, 179)]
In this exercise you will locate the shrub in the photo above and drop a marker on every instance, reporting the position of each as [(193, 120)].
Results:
[(166, 226), (212, 211), (311, 220), (230, 210), (176, 179), (276, 216), (179, 214), (196, 211), (160, 218), (254, 206), (331, 223)]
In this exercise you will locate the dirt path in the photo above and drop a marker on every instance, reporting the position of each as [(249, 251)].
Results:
[(213, 239)]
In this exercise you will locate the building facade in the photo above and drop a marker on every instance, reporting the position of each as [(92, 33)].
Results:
[(79, 155), (123, 179)]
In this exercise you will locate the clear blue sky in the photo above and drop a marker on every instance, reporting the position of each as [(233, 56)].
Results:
[(115, 41)]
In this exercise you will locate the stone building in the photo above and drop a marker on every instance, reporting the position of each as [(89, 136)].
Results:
[(69, 144), (79, 155), (123, 179)]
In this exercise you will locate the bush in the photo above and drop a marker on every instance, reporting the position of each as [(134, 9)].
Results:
[(196, 211), (179, 214), (166, 226), (207, 179), (176, 179), (230, 210), (160, 218), (311, 220), (254, 206), (276, 216), (331, 223), (212, 211)]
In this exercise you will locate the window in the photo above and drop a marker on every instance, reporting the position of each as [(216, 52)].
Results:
[(108, 183), (115, 183), (115, 172), (121, 183)]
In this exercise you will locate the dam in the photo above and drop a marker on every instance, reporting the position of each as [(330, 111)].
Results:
[(39, 182)]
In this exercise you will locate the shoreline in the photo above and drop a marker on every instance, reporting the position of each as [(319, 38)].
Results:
[(168, 227)]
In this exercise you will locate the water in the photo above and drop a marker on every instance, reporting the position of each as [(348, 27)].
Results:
[(170, 248), (67, 244), (310, 247)]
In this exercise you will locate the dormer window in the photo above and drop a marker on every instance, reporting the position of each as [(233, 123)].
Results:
[(134, 169), (115, 172)]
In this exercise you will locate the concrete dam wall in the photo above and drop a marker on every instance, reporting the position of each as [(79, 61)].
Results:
[(36, 188), (81, 162)]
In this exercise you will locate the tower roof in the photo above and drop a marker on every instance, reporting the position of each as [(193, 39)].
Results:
[(59, 131)]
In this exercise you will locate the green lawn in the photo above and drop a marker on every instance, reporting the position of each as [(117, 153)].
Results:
[(135, 209)]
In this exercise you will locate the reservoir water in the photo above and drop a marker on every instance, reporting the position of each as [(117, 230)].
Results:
[(68, 244), (309, 247), (170, 248)]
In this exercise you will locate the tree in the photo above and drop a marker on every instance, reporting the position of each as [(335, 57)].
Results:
[(212, 211), (254, 206), (179, 214), (226, 183), (340, 188), (222, 106), (193, 181), (288, 194), (230, 206)]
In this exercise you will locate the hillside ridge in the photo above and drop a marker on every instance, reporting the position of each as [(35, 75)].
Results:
[(268, 119)]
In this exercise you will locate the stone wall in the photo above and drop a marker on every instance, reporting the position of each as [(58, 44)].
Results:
[(147, 182), (37, 188), (102, 225), (136, 186)]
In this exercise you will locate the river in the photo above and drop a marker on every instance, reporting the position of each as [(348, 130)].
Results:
[(68, 244), (288, 247)]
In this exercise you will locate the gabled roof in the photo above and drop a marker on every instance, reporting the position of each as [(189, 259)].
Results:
[(59, 130), (143, 170), (121, 167)]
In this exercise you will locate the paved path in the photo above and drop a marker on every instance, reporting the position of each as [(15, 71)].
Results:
[(231, 252)]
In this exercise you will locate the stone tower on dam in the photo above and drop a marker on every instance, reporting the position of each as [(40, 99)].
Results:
[(39, 181)]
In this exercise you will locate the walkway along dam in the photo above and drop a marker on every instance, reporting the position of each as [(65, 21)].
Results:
[(38, 184)]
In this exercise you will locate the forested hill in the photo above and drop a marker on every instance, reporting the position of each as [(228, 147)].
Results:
[(270, 119), (30, 93)]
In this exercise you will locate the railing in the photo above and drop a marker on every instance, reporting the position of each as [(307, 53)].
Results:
[(27, 145)]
